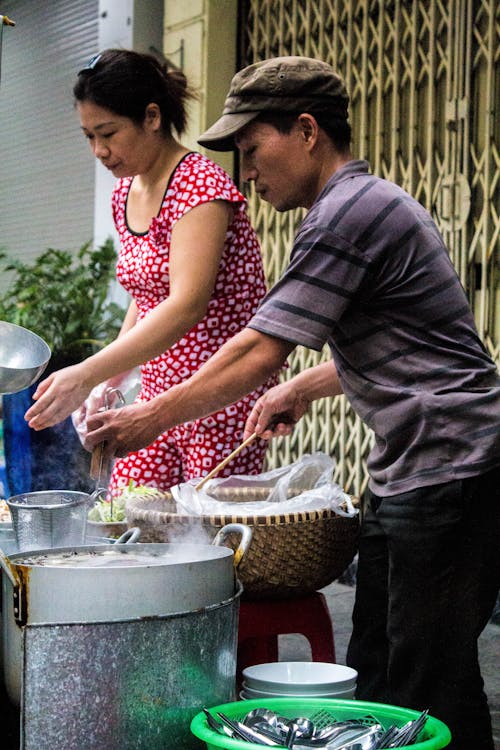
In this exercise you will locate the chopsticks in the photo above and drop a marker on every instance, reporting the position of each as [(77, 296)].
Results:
[(226, 461)]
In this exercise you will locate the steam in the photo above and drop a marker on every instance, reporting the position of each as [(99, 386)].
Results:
[(184, 529)]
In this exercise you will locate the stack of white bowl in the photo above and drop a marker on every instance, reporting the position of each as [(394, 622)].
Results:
[(304, 679)]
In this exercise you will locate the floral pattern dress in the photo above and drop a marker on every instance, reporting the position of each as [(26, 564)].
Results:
[(194, 448)]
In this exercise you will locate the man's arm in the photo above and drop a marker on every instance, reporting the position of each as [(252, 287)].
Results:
[(286, 403), (243, 363)]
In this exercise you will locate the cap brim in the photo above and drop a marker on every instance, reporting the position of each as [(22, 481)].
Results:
[(220, 137)]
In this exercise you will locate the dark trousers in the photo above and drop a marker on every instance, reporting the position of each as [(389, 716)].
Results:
[(427, 582)]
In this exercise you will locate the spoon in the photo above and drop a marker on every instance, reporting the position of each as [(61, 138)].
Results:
[(263, 726), (359, 738), (246, 733), (261, 713), (299, 728), (305, 727)]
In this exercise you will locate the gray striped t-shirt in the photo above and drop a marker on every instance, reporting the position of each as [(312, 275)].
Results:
[(369, 274)]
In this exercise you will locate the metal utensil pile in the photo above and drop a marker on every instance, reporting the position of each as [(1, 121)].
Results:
[(264, 727)]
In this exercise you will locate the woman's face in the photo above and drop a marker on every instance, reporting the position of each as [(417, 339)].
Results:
[(122, 146)]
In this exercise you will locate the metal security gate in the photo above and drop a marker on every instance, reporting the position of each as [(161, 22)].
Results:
[(424, 81)]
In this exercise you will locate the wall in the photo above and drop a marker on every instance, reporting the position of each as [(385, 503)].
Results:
[(46, 176), (200, 36)]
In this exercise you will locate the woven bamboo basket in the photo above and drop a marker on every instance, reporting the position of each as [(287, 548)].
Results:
[(290, 555)]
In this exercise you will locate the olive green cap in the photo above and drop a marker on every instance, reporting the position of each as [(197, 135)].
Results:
[(280, 84)]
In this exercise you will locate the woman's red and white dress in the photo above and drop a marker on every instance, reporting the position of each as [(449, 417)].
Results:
[(194, 448)]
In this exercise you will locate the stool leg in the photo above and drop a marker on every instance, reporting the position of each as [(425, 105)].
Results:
[(318, 629)]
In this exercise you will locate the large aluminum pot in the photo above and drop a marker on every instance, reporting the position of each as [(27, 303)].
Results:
[(100, 583)]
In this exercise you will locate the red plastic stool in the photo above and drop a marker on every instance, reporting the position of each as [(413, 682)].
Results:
[(261, 622)]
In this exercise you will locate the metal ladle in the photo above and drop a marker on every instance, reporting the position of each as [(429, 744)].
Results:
[(97, 460)]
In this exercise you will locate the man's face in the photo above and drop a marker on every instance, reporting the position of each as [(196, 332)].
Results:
[(277, 163)]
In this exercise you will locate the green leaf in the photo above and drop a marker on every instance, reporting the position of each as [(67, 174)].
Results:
[(62, 297)]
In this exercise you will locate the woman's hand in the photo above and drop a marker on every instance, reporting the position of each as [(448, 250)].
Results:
[(95, 401), (57, 397)]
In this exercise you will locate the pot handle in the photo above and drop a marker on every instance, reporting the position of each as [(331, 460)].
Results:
[(10, 570), (246, 538), (129, 537)]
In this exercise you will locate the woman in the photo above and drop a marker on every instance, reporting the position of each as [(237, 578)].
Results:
[(188, 257)]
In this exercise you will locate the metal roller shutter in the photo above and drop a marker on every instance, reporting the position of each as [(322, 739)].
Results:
[(46, 172)]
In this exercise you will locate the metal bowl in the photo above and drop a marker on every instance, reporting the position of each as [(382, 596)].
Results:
[(23, 357)]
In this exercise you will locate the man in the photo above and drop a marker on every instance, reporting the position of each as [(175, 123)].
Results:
[(369, 275)]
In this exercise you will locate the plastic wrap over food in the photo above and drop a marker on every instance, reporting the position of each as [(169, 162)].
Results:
[(304, 485)]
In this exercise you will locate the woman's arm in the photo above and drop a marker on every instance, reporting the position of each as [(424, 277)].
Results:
[(130, 318), (195, 254), (196, 250)]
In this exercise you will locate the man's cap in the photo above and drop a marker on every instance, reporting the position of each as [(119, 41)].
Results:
[(280, 84)]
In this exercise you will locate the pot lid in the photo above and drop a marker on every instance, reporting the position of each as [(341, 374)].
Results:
[(122, 555)]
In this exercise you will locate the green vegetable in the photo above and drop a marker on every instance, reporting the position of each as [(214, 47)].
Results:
[(102, 511), (134, 490), (63, 297)]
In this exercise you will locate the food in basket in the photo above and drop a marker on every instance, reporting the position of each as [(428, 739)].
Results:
[(104, 512), (5, 516), (101, 512)]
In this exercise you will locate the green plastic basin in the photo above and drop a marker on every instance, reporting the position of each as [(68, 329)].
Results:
[(322, 711)]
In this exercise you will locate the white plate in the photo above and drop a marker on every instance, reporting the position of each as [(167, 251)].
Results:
[(313, 692), (248, 694), (289, 677)]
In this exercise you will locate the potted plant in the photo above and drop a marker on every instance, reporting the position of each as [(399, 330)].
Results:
[(62, 298)]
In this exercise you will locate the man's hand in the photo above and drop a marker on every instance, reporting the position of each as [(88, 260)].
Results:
[(127, 429), (277, 412)]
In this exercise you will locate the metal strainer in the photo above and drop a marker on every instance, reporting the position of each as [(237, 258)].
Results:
[(49, 518)]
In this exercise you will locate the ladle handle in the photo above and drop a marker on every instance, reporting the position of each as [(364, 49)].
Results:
[(129, 537), (96, 462), (223, 463), (97, 466)]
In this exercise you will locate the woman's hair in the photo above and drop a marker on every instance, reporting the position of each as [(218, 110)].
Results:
[(125, 82)]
